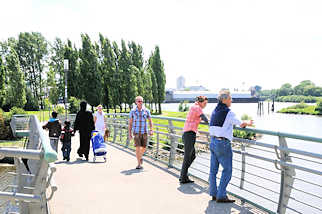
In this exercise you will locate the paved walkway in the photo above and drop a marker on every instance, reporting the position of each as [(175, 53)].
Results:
[(116, 187)]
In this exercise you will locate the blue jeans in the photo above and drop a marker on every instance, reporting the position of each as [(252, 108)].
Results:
[(66, 148), (221, 153)]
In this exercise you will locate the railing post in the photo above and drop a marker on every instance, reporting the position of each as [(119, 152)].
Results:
[(115, 129), (287, 179), (40, 189), (127, 136), (158, 143), (243, 171), (173, 144), (13, 125)]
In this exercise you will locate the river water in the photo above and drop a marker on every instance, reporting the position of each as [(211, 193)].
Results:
[(290, 123)]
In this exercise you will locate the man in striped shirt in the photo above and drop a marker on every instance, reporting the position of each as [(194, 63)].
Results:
[(138, 125)]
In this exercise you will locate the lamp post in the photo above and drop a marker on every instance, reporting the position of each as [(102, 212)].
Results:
[(66, 71)]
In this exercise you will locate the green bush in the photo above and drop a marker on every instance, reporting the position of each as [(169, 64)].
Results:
[(183, 106), (5, 130), (32, 102), (16, 110), (60, 109), (73, 105), (318, 107), (47, 104), (246, 117)]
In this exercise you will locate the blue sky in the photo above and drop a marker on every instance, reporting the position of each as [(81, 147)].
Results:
[(215, 43)]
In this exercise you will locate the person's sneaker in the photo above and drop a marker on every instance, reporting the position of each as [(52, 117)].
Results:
[(225, 200), (67, 159), (138, 167)]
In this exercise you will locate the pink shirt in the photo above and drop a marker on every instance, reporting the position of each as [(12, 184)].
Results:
[(193, 118)]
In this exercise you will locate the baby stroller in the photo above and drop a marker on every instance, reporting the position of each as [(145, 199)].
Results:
[(99, 147)]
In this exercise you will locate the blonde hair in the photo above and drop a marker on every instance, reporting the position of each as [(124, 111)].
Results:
[(138, 97)]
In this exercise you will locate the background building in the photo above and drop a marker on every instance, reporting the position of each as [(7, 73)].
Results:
[(181, 83)]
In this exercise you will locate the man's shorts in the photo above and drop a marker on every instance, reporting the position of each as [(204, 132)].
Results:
[(140, 140)]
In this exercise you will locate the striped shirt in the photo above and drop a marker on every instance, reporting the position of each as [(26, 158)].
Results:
[(140, 118)]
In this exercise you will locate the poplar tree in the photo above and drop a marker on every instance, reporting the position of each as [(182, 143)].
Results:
[(16, 95), (158, 71), (107, 67), (2, 83), (73, 75), (91, 86)]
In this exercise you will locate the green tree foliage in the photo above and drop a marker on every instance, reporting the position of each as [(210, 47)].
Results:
[(137, 60), (158, 70), (91, 86), (2, 83), (147, 84), (99, 72), (305, 91), (32, 52), (32, 102), (73, 105), (16, 95), (285, 90), (57, 70), (107, 68), (3, 127), (54, 92), (73, 75)]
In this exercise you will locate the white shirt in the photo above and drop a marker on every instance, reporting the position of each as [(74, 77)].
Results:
[(100, 123), (227, 129)]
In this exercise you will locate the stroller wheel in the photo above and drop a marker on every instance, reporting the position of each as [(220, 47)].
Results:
[(94, 159)]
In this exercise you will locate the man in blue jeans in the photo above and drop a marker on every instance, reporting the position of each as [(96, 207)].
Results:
[(221, 132)]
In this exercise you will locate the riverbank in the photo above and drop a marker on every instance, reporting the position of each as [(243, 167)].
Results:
[(303, 108)]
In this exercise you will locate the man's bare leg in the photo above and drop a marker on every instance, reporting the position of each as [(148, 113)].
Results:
[(142, 153), (138, 154)]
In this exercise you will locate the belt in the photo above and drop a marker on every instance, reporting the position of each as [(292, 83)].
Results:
[(220, 138)]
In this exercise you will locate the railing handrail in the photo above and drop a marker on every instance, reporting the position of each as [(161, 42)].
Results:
[(165, 145), (50, 155), (259, 131)]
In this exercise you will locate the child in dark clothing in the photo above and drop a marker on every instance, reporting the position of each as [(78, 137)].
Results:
[(54, 127), (66, 139)]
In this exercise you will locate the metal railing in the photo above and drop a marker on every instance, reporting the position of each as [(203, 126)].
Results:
[(270, 175), (33, 169)]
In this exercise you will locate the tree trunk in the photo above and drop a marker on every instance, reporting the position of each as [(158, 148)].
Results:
[(160, 110)]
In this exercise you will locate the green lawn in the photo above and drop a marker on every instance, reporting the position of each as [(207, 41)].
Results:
[(301, 108), (16, 143)]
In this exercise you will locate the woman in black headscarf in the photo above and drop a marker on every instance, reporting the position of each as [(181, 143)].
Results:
[(85, 124)]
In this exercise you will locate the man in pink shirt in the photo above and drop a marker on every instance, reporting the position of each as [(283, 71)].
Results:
[(190, 129)]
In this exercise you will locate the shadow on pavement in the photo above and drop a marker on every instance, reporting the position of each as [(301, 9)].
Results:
[(77, 161), (191, 188), (225, 208), (131, 171)]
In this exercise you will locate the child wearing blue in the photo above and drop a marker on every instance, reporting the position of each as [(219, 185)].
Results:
[(66, 139)]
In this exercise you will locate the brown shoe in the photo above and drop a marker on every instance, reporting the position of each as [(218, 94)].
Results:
[(225, 200)]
